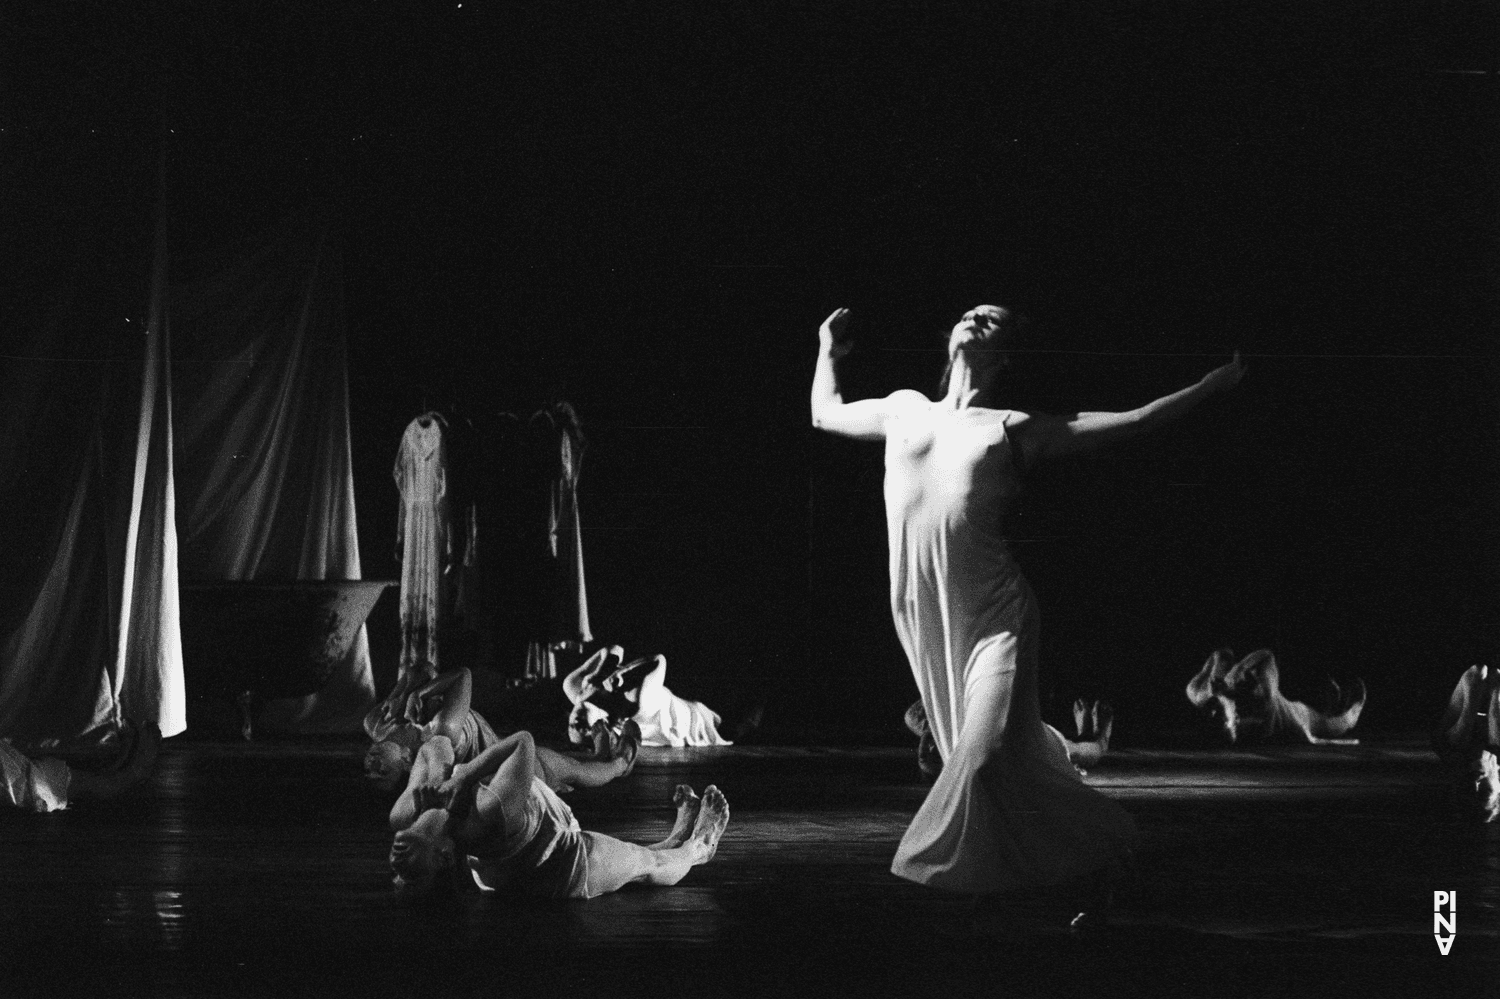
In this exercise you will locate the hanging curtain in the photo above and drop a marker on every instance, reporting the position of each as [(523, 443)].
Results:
[(265, 479), (88, 613)]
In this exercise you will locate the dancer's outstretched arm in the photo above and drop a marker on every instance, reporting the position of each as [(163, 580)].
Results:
[(864, 419), (1044, 436)]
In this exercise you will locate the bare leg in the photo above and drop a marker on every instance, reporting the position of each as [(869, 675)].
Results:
[(614, 863), (559, 771)]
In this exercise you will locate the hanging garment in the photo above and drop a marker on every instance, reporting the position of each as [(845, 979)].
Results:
[(466, 485), (1008, 809), (423, 539)]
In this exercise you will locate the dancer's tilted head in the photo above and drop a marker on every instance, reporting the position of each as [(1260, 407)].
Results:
[(986, 332), (984, 337), (419, 854)]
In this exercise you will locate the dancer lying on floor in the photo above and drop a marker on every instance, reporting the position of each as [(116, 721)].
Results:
[(1243, 699), (1007, 811), (442, 708), (606, 688), (499, 814), (1467, 740), (49, 784)]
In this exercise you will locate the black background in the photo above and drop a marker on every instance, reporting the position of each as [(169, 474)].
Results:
[(648, 211)]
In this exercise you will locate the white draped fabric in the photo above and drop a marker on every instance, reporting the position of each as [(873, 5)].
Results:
[(265, 477), (88, 611), (245, 367)]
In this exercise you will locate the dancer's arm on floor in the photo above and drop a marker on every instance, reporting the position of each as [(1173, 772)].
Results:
[(863, 419), (1044, 436), (429, 770)]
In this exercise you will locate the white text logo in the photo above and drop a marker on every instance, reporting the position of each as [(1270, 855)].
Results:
[(1444, 924)]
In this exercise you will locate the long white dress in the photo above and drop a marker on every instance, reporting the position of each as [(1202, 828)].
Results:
[(422, 532), (1008, 810)]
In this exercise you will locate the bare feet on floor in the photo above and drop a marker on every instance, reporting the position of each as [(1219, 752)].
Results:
[(1094, 720), (1104, 723), (713, 816), (687, 802)]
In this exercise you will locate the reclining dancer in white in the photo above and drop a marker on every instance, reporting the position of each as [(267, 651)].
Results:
[(602, 689), (514, 833)]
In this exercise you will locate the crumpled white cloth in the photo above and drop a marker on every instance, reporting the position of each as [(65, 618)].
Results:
[(664, 718), (35, 785)]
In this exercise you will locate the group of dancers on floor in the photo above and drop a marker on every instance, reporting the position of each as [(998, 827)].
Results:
[(1007, 809), (471, 799)]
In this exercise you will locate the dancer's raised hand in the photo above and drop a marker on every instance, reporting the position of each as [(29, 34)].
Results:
[(426, 796), (833, 336), (1226, 377)]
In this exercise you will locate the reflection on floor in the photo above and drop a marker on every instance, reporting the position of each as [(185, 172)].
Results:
[(260, 870)]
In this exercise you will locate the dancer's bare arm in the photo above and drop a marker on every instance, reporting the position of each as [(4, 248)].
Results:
[(457, 691), (1042, 436), (507, 768), (429, 771), (863, 419)]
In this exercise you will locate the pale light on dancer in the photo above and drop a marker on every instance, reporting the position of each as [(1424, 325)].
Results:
[(608, 689), (1008, 810), (497, 816), (1467, 740), (398, 727)]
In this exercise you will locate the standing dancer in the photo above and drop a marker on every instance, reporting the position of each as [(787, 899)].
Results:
[(1008, 810)]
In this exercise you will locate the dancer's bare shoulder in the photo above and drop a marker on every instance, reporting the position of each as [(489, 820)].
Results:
[(866, 418), (905, 400)]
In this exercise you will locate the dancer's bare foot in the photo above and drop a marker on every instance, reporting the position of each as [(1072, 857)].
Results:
[(1103, 717), (628, 747), (713, 817), (1082, 719), (687, 802), (602, 739)]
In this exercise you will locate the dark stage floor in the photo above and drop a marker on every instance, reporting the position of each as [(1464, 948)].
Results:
[(260, 870)]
